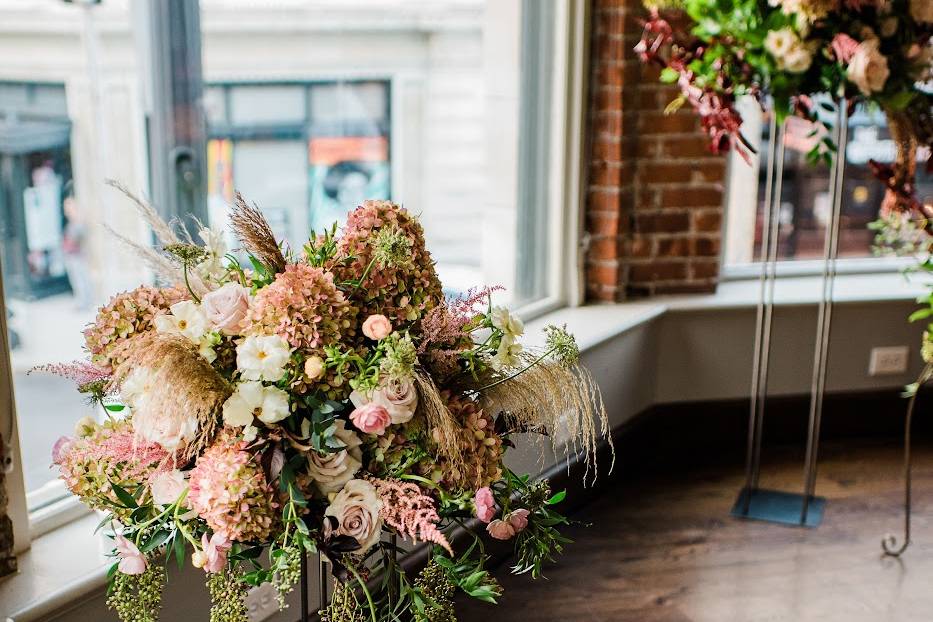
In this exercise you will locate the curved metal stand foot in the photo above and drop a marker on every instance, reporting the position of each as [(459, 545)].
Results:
[(889, 543)]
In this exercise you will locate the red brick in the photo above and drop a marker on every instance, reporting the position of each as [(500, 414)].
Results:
[(706, 247), (608, 123), (660, 123), (685, 147), (658, 271), (603, 274), (608, 149), (603, 249), (707, 220), (609, 100), (654, 173), (664, 222), (675, 247), (639, 246), (604, 174), (604, 200), (691, 197), (602, 223), (704, 269)]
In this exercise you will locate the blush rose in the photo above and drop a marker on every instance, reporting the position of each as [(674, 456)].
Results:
[(226, 307), (371, 418), (377, 327)]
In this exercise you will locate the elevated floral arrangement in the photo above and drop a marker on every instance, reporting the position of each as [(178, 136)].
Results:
[(876, 52), (283, 403)]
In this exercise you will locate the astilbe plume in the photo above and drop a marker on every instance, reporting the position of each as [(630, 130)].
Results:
[(444, 330), (125, 316), (83, 373), (410, 512), (228, 489), (110, 454), (402, 283)]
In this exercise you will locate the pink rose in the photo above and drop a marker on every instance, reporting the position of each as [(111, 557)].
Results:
[(215, 552), (371, 419), (131, 560), (60, 448), (844, 47), (868, 68), (500, 530), (485, 504), (518, 519), (166, 486), (226, 307), (377, 327), (314, 367), (398, 396)]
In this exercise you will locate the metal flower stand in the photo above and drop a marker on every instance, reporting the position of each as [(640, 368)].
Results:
[(789, 508)]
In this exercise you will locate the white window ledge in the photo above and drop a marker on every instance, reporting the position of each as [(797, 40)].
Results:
[(69, 563)]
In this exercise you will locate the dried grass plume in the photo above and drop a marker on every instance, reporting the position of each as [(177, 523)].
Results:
[(255, 234)]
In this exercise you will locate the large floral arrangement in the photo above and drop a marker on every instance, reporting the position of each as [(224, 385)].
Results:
[(328, 400), (876, 52)]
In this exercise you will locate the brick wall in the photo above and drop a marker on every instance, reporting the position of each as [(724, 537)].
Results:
[(655, 194)]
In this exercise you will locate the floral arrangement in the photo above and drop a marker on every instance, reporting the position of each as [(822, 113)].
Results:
[(876, 52), (267, 404)]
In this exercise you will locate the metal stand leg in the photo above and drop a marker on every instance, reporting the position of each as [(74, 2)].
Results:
[(305, 613), (322, 578), (825, 313), (769, 505)]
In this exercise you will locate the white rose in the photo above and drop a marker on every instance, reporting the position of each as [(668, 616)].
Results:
[(868, 68), (331, 471), (921, 11), (253, 399), (398, 396), (798, 59), (167, 486), (185, 318), (168, 429), (509, 324), (356, 509), (262, 357), (226, 307)]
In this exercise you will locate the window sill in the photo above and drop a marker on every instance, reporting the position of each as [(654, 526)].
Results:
[(69, 563), (61, 567)]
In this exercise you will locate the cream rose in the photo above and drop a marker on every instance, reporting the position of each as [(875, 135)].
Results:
[(356, 509), (377, 327), (166, 487), (331, 471), (226, 307), (868, 68), (397, 395)]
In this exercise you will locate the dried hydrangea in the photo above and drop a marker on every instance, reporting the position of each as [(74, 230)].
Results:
[(480, 448), (108, 454), (126, 315), (228, 489), (384, 242)]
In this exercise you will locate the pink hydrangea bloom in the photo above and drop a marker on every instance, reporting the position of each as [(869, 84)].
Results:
[(228, 489)]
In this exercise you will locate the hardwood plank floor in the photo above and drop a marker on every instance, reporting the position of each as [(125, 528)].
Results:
[(666, 550)]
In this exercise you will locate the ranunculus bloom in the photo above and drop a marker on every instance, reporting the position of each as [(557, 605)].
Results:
[(226, 307), (314, 367), (166, 486), (518, 519), (331, 471), (356, 509), (868, 69), (371, 419), (485, 504), (215, 552), (131, 560), (377, 327), (398, 396), (262, 357), (501, 530)]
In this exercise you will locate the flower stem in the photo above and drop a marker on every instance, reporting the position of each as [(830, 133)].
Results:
[(365, 274), (516, 374), (188, 285)]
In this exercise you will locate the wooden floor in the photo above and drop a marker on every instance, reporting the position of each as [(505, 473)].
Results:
[(666, 550)]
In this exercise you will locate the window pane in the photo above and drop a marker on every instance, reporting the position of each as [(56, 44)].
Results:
[(267, 104), (805, 201)]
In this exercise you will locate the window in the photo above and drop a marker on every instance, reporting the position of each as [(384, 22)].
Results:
[(804, 208), (458, 109)]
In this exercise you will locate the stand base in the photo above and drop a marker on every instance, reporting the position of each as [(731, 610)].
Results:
[(779, 507)]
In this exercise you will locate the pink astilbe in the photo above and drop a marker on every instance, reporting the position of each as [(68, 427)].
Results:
[(444, 329), (82, 373), (410, 512)]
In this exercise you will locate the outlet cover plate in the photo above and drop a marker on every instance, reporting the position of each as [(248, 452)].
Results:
[(888, 361), (261, 602)]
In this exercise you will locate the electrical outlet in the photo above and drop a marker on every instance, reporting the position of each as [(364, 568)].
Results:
[(888, 361), (261, 602)]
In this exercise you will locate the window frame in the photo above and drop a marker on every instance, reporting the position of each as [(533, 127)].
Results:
[(562, 172)]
